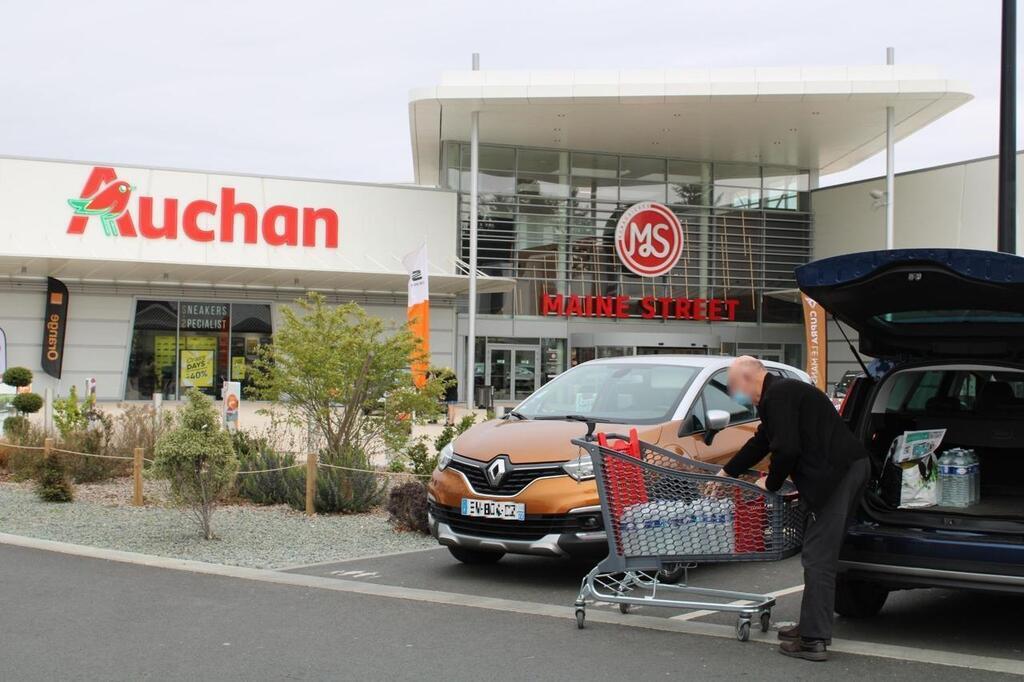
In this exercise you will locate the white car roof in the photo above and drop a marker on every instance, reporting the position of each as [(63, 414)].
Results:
[(700, 361)]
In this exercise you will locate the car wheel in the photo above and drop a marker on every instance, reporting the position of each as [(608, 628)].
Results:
[(859, 598), (475, 556)]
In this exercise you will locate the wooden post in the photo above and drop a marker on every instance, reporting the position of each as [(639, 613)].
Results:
[(311, 484), (47, 448), (137, 478)]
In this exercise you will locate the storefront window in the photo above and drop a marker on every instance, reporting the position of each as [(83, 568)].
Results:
[(548, 219), (737, 185), (151, 360), (689, 183), (177, 345), (250, 330)]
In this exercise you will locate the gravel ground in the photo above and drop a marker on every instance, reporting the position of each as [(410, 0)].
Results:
[(257, 537)]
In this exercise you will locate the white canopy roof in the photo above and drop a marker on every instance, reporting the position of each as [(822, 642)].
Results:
[(824, 118)]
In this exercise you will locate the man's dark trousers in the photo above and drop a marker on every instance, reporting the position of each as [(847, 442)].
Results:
[(823, 537)]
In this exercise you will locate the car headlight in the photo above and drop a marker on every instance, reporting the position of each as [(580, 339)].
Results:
[(445, 458), (581, 468)]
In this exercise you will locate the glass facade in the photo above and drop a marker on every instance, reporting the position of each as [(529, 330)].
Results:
[(547, 219), (181, 344)]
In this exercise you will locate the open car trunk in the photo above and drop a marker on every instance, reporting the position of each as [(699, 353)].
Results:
[(981, 407)]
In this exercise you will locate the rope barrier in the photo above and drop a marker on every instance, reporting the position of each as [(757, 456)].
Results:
[(89, 454), (374, 471), (264, 471), (12, 446)]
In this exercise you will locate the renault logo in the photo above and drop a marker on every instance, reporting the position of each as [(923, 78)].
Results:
[(496, 471)]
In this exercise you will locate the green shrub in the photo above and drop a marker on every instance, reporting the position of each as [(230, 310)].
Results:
[(15, 425), (269, 487), (69, 415), (27, 403), (338, 491), (19, 377), (421, 461), (198, 459), (407, 507), (53, 483)]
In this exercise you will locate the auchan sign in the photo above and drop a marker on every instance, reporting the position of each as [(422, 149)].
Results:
[(105, 202)]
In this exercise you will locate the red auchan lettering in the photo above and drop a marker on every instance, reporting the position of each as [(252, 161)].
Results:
[(649, 307), (202, 220)]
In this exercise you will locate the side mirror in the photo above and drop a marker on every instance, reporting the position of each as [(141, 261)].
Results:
[(717, 420)]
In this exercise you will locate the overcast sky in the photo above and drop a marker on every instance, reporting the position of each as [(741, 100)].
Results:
[(320, 89)]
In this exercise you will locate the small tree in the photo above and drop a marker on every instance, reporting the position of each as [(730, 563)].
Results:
[(198, 459), (24, 403), (52, 481), (344, 373), (70, 416)]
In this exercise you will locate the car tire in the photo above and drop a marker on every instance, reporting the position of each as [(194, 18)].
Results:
[(475, 556), (859, 598)]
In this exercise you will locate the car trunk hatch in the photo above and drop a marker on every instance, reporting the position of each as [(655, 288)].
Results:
[(924, 303)]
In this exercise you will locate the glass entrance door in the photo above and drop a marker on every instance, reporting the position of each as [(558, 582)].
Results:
[(512, 371)]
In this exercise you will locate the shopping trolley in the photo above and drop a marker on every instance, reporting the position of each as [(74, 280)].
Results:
[(662, 510)]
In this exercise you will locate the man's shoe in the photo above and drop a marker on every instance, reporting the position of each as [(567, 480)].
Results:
[(809, 650), (792, 634)]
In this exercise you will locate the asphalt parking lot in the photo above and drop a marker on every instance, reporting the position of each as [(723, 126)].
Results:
[(954, 623)]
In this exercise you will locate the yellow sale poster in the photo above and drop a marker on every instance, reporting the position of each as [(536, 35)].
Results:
[(197, 368)]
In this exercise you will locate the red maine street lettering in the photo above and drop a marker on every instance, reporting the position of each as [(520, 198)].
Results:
[(203, 220), (649, 307)]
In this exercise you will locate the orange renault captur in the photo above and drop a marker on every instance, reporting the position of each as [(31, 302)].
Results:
[(518, 485)]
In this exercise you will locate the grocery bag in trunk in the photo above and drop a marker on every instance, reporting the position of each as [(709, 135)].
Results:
[(920, 486)]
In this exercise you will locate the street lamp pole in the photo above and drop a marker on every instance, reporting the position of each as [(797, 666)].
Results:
[(890, 175), (474, 165)]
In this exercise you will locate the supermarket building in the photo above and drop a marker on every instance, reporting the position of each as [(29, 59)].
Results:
[(160, 262)]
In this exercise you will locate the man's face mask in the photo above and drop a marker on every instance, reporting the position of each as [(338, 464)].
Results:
[(743, 398)]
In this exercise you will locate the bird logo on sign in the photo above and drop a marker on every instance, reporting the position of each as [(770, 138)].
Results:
[(107, 203)]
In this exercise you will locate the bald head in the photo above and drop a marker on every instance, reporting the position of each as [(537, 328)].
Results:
[(746, 376)]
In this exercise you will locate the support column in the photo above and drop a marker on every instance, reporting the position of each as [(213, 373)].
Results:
[(474, 168)]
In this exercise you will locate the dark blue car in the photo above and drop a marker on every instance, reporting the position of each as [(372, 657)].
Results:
[(948, 328)]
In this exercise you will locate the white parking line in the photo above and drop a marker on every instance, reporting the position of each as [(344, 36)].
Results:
[(906, 654), (368, 557), (778, 593), (356, 574)]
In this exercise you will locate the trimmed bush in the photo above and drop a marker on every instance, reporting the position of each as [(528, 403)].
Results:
[(407, 507), (53, 483), (18, 377), (13, 426), (27, 403), (198, 459)]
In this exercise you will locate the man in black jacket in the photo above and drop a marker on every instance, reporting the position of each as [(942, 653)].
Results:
[(809, 443)]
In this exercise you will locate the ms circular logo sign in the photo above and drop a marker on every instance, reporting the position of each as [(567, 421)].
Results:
[(649, 239)]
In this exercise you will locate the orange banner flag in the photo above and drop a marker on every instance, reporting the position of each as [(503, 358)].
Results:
[(419, 311)]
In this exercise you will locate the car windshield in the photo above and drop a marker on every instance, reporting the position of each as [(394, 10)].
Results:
[(631, 393)]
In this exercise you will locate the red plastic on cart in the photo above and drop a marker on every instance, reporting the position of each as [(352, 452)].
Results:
[(626, 484), (748, 522)]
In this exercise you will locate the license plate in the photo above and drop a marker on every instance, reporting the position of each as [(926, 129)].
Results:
[(493, 509)]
